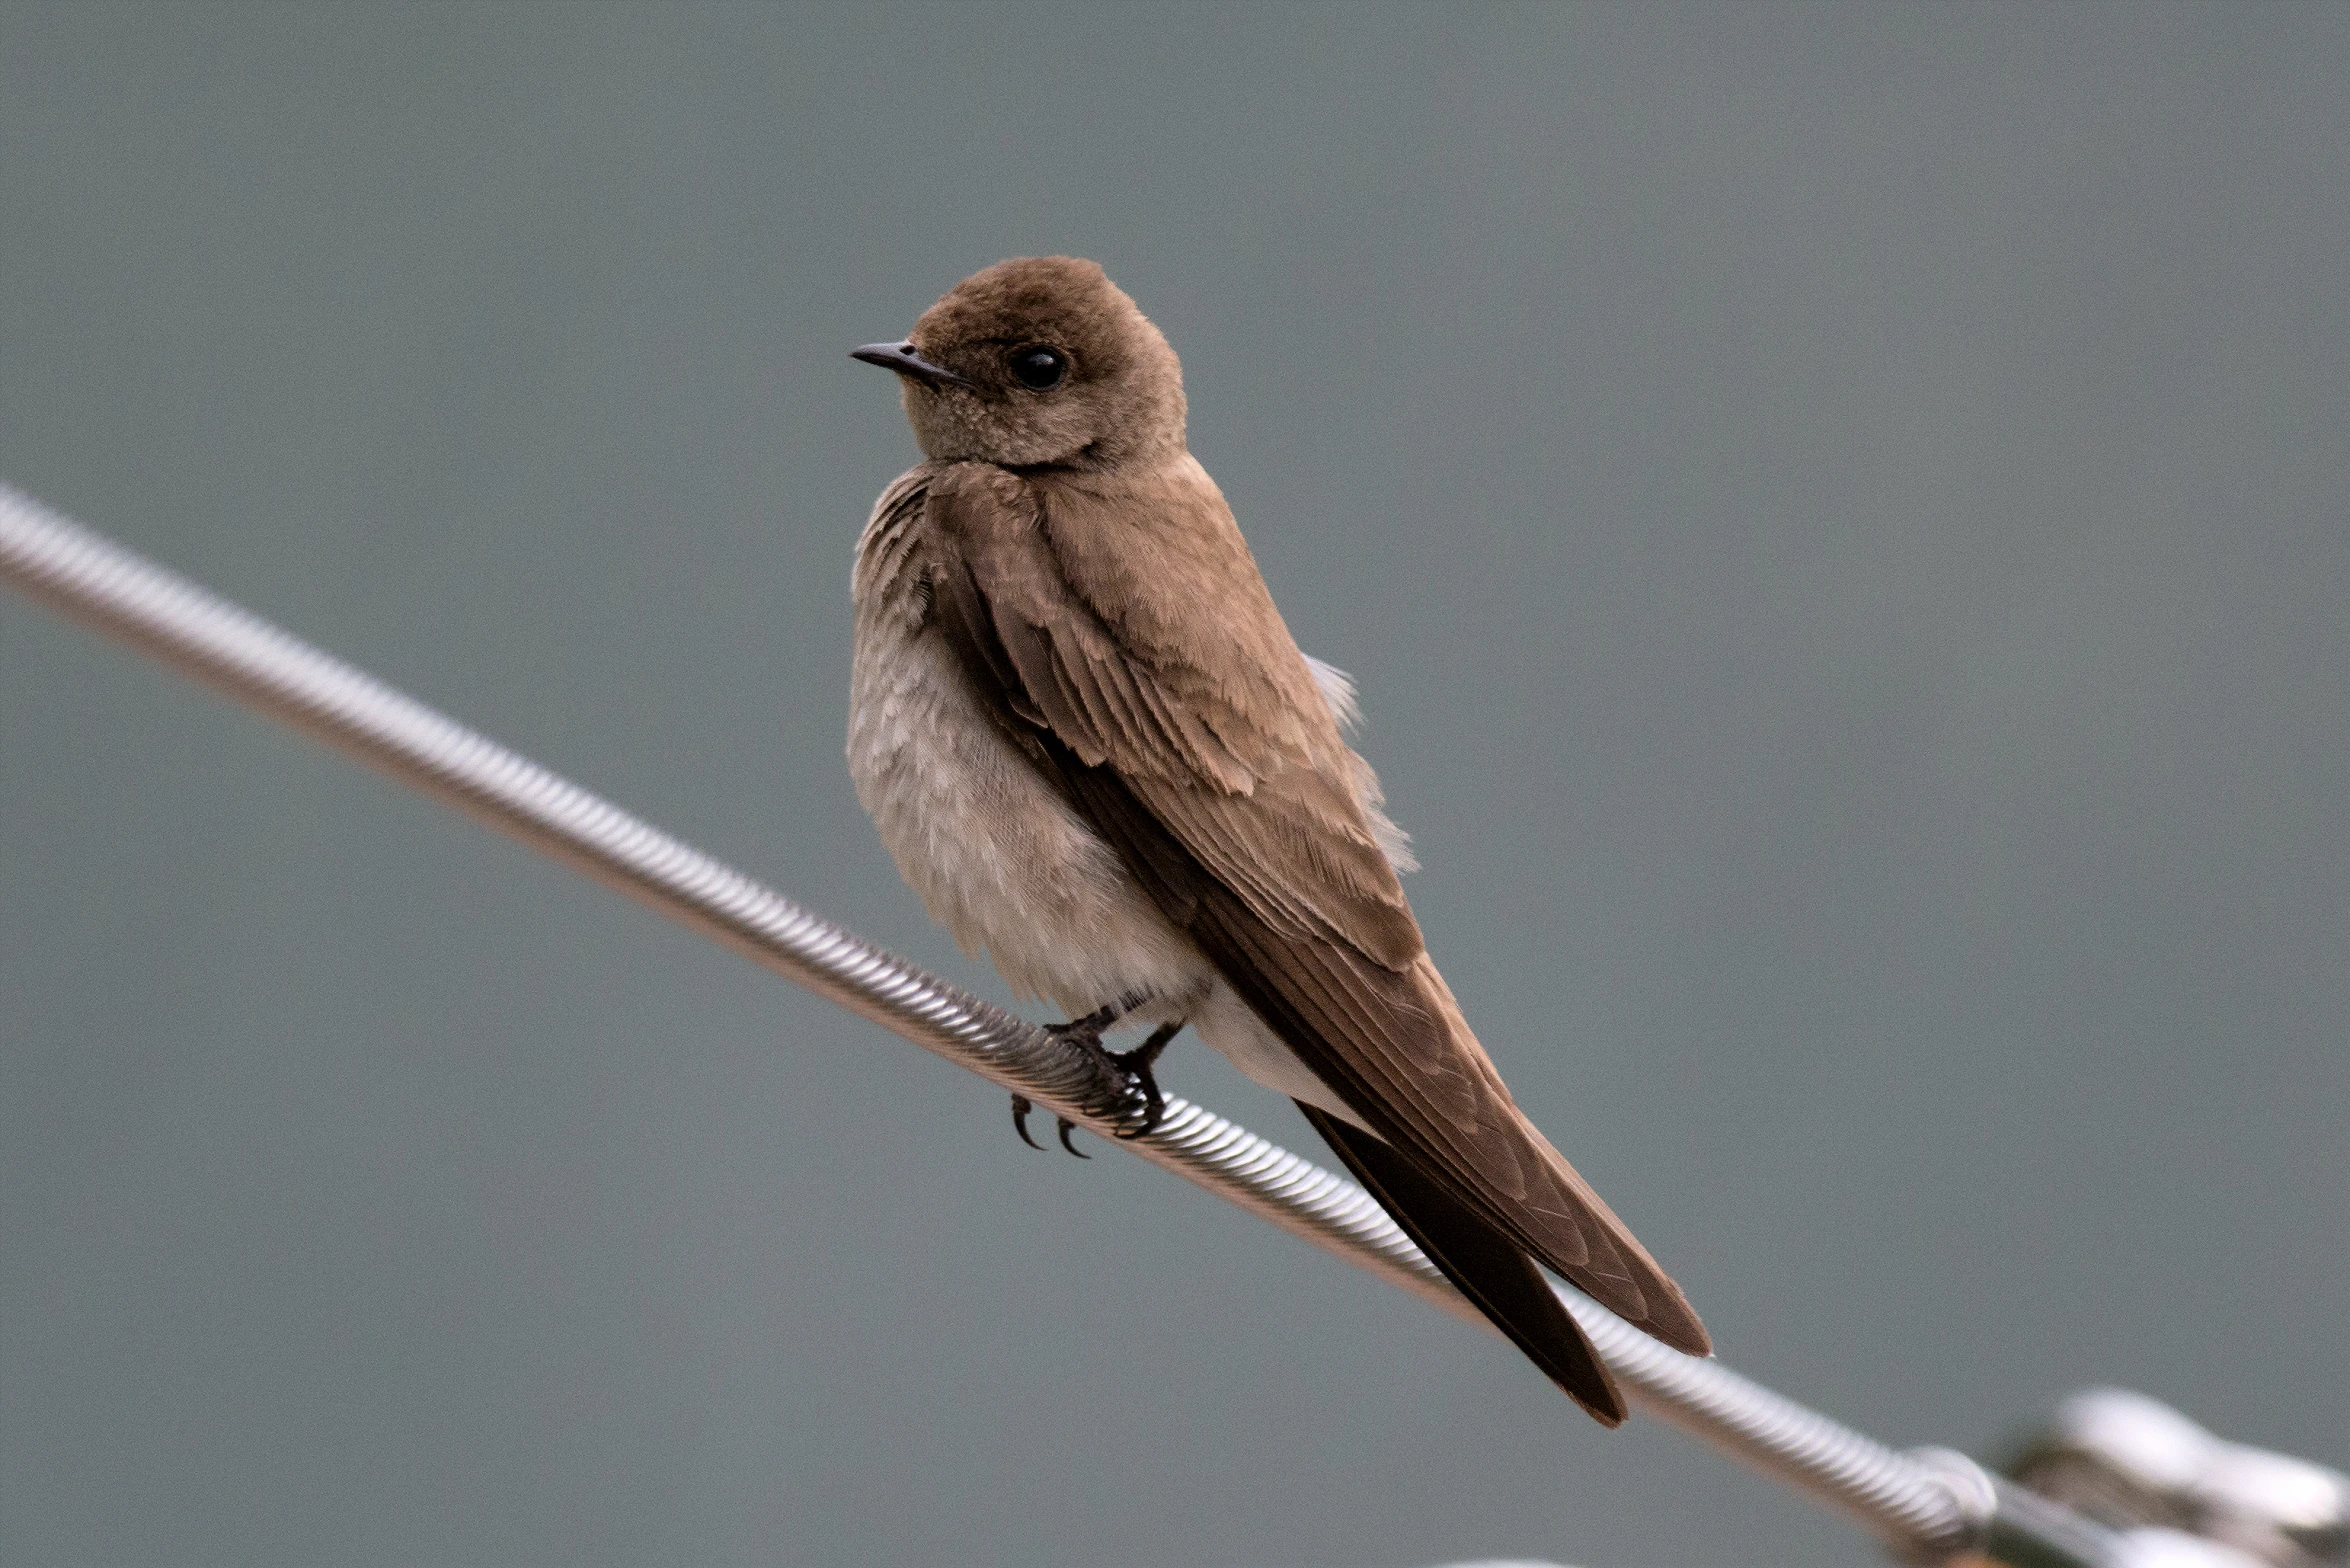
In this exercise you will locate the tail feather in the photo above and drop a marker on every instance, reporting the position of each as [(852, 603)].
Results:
[(1485, 1265)]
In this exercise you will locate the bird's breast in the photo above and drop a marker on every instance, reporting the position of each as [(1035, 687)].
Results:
[(994, 851)]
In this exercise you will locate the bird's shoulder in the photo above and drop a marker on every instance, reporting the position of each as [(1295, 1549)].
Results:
[(892, 558), (1147, 571)]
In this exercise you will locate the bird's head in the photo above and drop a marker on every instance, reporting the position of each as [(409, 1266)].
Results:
[(1037, 361)]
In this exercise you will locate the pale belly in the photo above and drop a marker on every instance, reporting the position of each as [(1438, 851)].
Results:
[(1000, 860)]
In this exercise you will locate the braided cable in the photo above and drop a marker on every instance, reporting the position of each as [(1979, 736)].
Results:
[(1926, 1506)]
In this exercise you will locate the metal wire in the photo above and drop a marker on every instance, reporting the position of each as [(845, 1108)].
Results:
[(1926, 1506)]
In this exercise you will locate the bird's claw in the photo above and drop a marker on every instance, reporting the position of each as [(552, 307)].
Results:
[(1143, 1087), (1021, 1106), (1136, 1068), (1144, 1106)]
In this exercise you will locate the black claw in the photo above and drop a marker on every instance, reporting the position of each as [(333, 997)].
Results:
[(1134, 1067), (1021, 1106), (1137, 1065)]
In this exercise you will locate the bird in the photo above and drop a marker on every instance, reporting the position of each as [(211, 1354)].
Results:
[(1093, 749)]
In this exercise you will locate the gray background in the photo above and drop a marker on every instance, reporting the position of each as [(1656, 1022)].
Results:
[(1840, 518)]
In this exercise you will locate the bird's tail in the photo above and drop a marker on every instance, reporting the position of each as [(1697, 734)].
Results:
[(1485, 1265)]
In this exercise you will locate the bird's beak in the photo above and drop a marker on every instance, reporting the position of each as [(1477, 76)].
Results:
[(901, 358)]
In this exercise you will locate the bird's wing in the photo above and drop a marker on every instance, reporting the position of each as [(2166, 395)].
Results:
[(1128, 640), (1484, 1264)]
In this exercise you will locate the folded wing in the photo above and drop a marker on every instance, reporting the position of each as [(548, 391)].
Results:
[(1132, 648)]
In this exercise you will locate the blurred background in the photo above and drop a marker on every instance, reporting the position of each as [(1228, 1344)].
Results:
[(1839, 514)]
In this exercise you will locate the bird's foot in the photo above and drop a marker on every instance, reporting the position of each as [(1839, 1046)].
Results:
[(1086, 1032), (1138, 1066), (1145, 1108)]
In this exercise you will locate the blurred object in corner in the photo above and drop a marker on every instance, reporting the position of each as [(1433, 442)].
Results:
[(2134, 1463)]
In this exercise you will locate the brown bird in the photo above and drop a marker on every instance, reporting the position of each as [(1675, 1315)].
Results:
[(1094, 750)]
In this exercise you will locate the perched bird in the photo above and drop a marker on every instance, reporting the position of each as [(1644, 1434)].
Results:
[(1095, 752)]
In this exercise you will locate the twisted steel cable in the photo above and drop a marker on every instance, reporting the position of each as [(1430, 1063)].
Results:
[(1926, 1505)]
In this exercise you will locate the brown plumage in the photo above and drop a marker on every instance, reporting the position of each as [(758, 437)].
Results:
[(1091, 743)]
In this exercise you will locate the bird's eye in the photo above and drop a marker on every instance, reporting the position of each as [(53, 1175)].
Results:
[(1037, 367)]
